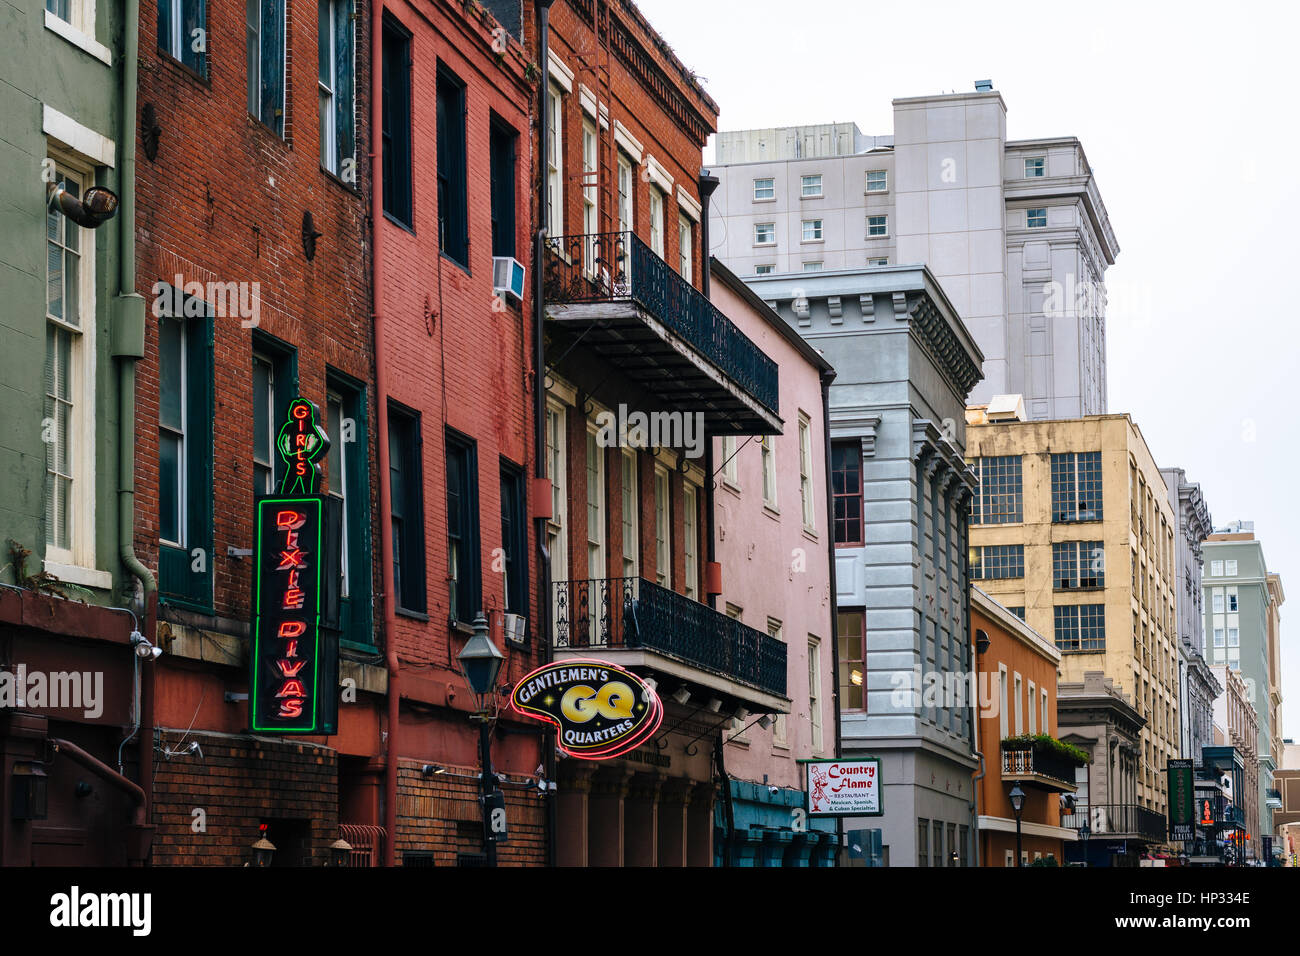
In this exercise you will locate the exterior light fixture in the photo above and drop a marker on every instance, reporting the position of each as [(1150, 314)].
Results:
[(682, 694), (263, 851), (715, 704), (1017, 797), (480, 662), (95, 207), (145, 650), (30, 794), (340, 851)]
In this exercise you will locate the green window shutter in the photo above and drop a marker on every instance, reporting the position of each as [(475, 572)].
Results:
[(272, 65)]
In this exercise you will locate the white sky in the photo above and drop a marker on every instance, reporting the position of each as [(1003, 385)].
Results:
[(1191, 127)]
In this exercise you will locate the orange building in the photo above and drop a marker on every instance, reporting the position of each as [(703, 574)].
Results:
[(1015, 734)]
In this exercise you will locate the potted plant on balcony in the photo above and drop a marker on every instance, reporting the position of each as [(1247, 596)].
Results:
[(1046, 743)]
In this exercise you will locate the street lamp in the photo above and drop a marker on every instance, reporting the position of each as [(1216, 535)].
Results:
[(1084, 832), (1017, 804), (480, 662), (340, 851)]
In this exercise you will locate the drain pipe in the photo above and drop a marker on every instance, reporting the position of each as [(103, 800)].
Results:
[(828, 375), (708, 183), (381, 440), (544, 583), (127, 344)]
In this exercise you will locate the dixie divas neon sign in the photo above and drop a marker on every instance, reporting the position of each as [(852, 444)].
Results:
[(598, 710), (294, 663)]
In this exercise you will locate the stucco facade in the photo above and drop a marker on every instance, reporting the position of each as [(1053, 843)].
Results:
[(1014, 230), (1069, 501)]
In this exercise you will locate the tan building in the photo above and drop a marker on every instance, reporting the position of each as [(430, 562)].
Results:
[(1063, 507)]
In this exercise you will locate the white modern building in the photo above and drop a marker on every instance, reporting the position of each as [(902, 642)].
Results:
[(1014, 231)]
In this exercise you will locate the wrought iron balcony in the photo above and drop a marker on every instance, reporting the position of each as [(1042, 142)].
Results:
[(618, 269), (1040, 766), (1118, 821), (605, 615)]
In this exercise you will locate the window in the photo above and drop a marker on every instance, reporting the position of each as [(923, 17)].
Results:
[(554, 161), (1036, 218), (657, 221), (182, 26), (595, 506), (335, 82), (464, 567), (851, 634), (397, 122), (878, 262), (1032, 702), (1000, 498), (763, 270), (685, 253), (690, 540), (997, 562), (502, 149), (922, 842), (1234, 639), (764, 233), (877, 180), (1229, 569), (514, 538), (1076, 486), (812, 230), (590, 186), (1003, 702), (730, 466), (877, 226), (805, 474), (663, 533), (769, 470), (814, 695), (1045, 726), (1080, 627), (348, 477), (1216, 600), (1232, 599), (406, 491), (780, 723), (813, 266), (631, 513), (70, 365), (1216, 569), (1018, 611), (810, 187), (185, 456), (274, 386), (846, 486), (453, 198), (764, 189), (1018, 705), (625, 193), (1078, 564), (266, 66), (557, 525), (1035, 167)]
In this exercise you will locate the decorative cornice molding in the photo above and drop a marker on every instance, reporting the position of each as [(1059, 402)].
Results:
[(856, 422)]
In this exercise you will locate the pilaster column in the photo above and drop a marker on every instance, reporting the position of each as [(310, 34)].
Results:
[(641, 837), (699, 825), (674, 801), (606, 816), (572, 804)]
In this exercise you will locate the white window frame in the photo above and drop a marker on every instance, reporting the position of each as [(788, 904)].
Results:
[(631, 514), (1230, 568), (764, 227), (663, 528), (81, 16), (82, 495), (807, 491), (1020, 708), (1036, 163), (1030, 700), (878, 261), (1231, 603), (1216, 569), (183, 489), (685, 248), (814, 693), (657, 201), (338, 484), (780, 722), (626, 188), (590, 197), (1046, 727), (1217, 601), (816, 265), (264, 359), (813, 231), (1002, 703), (555, 161), (771, 187), (557, 524), (596, 513), (691, 539), (881, 189), (731, 466), (764, 269), (326, 92), (813, 180), (768, 459), (883, 224), (1032, 221)]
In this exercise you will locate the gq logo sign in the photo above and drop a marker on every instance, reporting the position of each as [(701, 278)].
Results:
[(598, 710)]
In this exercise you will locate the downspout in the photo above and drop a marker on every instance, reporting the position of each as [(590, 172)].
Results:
[(827, 376), (381, 440), (539, 403), (127, 342), (708, 183), (974, 717)]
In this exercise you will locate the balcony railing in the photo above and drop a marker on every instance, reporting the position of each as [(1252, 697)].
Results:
[(617, 266), (1118, 820), (1029, 763), (633, 613)]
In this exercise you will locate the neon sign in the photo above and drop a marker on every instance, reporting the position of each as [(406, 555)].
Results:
[(598, 710), (293, 684)]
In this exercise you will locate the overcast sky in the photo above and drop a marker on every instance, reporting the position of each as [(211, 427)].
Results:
[(1190, 126)]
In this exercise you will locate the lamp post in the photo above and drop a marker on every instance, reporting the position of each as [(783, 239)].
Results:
[(1017, 804), (1084, 831), (480, 662)]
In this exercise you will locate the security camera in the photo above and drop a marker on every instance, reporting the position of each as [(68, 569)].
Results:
[(774, 790), (195, 749)]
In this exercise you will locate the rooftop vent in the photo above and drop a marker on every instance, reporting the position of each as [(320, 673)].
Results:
[(1006, 408), (983, 86)]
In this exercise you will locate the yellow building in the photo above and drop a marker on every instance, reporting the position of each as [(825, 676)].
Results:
[(1063, 507)]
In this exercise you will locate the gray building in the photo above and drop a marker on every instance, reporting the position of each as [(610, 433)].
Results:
[(1197, 685), (904, 365), (1241, 600), (1015, 231)]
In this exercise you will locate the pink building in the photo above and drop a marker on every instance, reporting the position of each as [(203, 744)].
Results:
[(772, 540)]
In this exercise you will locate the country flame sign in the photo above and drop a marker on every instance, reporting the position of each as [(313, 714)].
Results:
[(598, 710)]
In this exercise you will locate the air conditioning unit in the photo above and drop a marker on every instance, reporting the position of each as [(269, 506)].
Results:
[(508, 277), (516, 625)]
